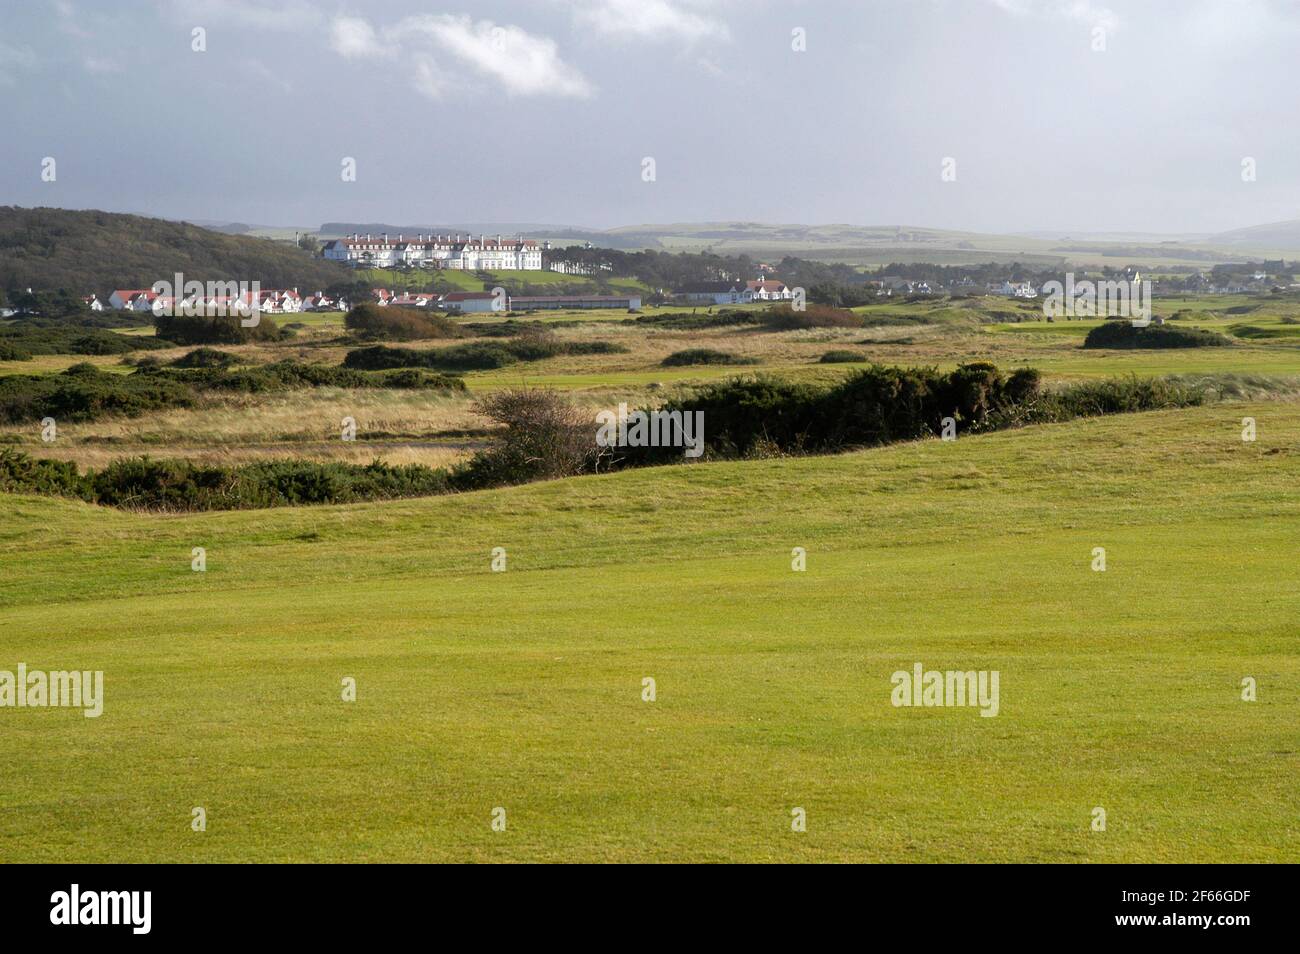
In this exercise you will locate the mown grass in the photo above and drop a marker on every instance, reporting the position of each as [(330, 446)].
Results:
[(522, 689)]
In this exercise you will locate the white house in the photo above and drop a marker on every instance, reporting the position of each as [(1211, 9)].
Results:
[(436, 251), (469, 302), (92, 302), (719, 293), (768, 289)]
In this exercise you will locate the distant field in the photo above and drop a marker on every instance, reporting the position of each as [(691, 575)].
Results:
[(522, 690)]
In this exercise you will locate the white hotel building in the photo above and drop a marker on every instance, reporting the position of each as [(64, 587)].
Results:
[(436, 251)]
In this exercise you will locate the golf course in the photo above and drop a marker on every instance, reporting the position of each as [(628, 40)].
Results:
[(523, 688)]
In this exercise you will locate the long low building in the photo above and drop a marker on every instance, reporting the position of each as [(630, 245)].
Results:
[(436, 251), (540, 302)]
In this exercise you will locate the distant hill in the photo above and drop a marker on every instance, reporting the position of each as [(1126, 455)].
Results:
[(560, 234), (1275, 235), (91, 251)]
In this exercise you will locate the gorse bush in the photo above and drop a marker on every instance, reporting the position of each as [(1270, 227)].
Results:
[(83, 392), (205, 358), (474, 355), (881, 405), (21, 474), (1121, 334), (842, 356), (704, 356), (214, 329), (49, 336), (391, 323), (784, 317), (142, 483), (294, 375)]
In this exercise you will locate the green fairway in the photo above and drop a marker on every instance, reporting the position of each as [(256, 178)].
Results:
[(523, 689)]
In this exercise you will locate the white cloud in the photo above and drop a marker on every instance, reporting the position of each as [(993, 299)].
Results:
[(649, 19), (522, 63), (1083, 11), (354, 36)]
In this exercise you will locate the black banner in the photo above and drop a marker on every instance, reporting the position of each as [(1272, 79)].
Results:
[(1178, 904)]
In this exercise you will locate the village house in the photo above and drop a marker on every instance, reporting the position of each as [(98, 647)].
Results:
[(414, 300), (322, 302), (768, 289), (279, 301), (132, 299)]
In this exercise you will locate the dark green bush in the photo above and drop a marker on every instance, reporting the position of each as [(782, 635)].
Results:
[(1122, 334), (419, 379), (83, 392), (593, 347), (784, 317), (21, 474), (474, 355), (205, 358), (214, 329), (63, 336), (703, 356), (390, 323), (11, 352), (842, 356), (291, 375), (383, 358), (177, 485), (876, 405)]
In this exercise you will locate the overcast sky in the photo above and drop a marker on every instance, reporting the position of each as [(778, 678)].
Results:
[(544, 110)]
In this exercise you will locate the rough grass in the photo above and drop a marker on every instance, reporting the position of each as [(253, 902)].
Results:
[(523, 689)]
